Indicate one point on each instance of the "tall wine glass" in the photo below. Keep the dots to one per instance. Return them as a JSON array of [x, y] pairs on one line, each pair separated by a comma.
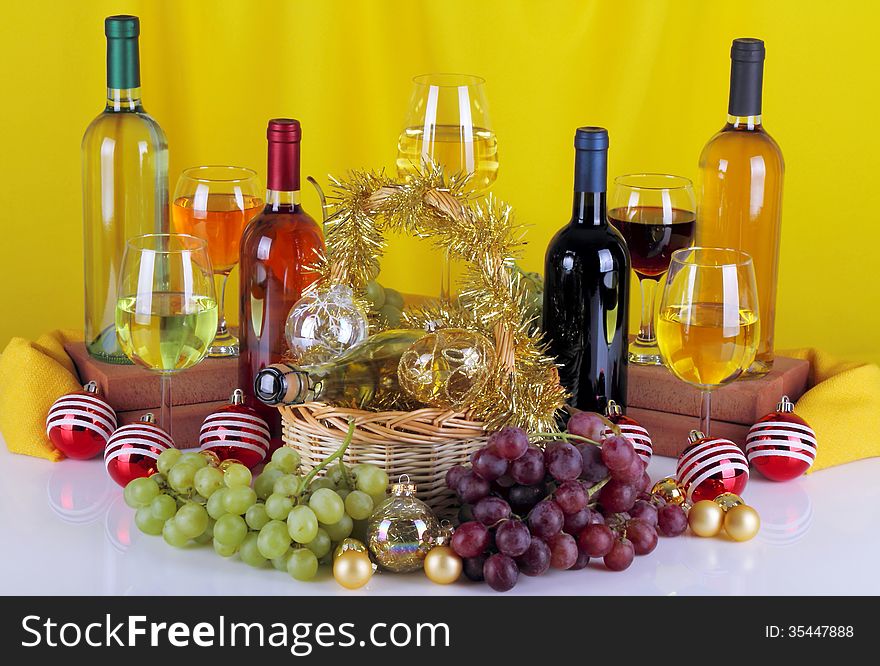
[[447, 123], [166, 315], [656, 215], [708, 327], [216, 203]]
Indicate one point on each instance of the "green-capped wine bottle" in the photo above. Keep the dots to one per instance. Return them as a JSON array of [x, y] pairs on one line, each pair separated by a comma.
[[125, 184]]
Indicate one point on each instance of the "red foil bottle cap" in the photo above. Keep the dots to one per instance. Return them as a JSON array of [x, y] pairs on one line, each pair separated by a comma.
[[284, 135]]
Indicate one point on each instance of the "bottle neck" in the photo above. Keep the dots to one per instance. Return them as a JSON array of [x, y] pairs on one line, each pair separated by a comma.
[[123, 63], [744, 122], [590, 178], [124, 99], [746, 84], [588, 209], [282, 199], [283, 169]]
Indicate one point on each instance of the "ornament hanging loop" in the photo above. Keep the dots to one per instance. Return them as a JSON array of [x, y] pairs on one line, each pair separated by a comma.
[[785, 406]]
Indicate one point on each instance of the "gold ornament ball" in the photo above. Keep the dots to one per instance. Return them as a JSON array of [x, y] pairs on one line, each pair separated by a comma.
[[442, 565], [669, 490], [349, 545], [352, 569], [728, 500], [227, 463], [742, 522], [706, 518], [212, 458]]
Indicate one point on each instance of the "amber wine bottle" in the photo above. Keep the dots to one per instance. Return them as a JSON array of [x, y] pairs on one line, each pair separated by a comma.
[[363, 376], [741, 172], [125, 185], [586, 287]]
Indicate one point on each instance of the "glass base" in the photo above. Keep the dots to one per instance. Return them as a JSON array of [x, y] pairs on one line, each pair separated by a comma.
[[225, 345], [644, 353], [758, 369]]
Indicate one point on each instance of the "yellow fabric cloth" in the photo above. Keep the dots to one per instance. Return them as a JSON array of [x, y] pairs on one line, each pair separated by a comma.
[[32, 376], [842, 406]]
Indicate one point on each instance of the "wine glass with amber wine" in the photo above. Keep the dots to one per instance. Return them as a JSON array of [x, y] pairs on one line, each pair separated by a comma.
[[166, 315], [708, 328], [656, 215], [447, 124], [216, 203]]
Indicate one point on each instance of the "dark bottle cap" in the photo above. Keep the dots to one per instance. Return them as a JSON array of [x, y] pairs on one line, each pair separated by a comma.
[[590, 159], [123, 60], [591, 138], [746, 77], [284, 135], [747, 49]]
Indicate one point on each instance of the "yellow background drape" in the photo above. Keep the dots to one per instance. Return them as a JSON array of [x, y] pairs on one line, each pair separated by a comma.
[[654, 72]]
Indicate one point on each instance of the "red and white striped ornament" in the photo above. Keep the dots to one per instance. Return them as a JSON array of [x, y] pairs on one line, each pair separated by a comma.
[[236, 431], [133, 450], [630, 428], [781, 446], [79, 424], [711, 466]]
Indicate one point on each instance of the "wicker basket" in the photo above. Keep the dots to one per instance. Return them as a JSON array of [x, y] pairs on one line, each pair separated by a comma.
[[423, 443]]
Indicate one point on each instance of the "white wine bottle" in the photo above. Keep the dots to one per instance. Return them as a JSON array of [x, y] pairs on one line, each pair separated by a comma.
[[365, 376], [125, 185], [741, 170]]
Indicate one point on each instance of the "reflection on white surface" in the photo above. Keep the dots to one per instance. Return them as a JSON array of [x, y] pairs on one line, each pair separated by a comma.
[[824, 522], [76, 494]]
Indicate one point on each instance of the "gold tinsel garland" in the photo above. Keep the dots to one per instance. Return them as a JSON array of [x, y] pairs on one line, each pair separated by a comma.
[[523, 388]]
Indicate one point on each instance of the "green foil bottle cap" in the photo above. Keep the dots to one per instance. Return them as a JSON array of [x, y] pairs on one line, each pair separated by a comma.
[[123, 61], [122, 26]]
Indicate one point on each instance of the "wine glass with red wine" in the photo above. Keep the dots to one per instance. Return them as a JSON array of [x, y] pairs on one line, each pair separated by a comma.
[[656, 215]]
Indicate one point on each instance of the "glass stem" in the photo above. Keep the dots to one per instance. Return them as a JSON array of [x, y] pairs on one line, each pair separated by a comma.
[[705, 405], [165, 405], [220, 288], [646, 329]]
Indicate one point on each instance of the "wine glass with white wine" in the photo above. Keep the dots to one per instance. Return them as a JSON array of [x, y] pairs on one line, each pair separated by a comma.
[[447, 124], [166, 315], [708, 328]]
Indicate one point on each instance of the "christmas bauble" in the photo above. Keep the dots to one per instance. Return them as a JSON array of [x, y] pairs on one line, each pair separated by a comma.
[[669, 490], [401, 530], [728, 500], [446, 368], [742, 522], [133, 450], [324, 323], [442, 564], [236, 431], [706, 518], [79, 424], [352, 569], [630, 428], [781, 446], [711, 466]]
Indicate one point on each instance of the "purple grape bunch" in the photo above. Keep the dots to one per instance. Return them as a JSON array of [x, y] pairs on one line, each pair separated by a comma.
[[527, 509]]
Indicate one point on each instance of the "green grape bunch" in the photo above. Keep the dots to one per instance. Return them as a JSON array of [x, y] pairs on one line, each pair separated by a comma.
[[284, 516]]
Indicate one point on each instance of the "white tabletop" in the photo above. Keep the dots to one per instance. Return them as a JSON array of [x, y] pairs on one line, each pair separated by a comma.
[[66, 530]]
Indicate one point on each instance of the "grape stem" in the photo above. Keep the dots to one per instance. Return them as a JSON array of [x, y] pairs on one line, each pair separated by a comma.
[[592, 490], [336, 455], [565, 435]]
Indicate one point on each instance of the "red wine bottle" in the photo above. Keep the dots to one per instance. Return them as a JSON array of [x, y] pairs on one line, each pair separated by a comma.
[[586, 287], [277, 249]]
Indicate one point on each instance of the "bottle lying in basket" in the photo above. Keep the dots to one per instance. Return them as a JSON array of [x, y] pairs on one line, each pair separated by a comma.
[[364, 376]]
